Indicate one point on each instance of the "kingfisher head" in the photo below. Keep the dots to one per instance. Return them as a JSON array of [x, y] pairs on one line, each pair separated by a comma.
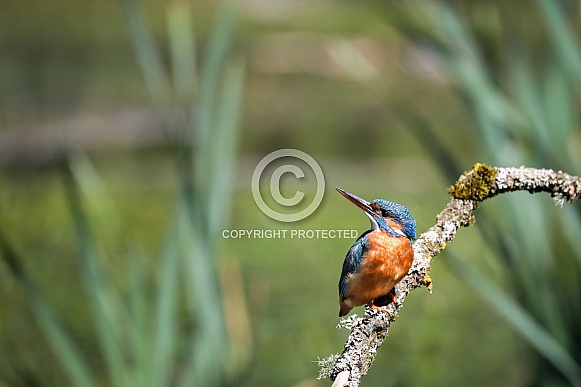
[[381, 211]]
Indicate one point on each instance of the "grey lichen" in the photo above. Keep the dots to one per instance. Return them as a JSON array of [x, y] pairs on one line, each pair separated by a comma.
[[326, 365], [348, 322]]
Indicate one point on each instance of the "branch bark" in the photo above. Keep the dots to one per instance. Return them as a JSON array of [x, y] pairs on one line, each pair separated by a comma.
[[480, 183]]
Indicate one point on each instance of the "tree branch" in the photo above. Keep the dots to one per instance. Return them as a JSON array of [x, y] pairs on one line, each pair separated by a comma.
[[480, 183]]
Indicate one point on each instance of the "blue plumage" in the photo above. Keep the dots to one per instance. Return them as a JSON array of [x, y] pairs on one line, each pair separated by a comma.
[[398, 214], [352, 261]]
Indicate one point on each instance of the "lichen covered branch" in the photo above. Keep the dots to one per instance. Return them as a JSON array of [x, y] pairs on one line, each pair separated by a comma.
[[480, 183]]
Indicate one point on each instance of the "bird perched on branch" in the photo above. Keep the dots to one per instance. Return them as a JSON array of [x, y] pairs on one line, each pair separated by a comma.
[[380, 257]]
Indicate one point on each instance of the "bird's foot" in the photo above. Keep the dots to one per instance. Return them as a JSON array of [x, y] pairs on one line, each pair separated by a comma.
[[387, 299], [380, 308], [391, 296]]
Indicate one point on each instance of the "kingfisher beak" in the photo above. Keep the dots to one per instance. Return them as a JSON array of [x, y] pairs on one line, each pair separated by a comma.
[[363, 204]]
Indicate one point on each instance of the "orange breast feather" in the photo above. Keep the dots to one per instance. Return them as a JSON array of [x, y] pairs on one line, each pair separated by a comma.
[[385, 263]]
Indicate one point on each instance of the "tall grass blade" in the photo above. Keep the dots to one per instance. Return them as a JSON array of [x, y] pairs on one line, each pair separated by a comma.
[[95, 191], [491, 111], [140, 326], [210, 208], [104, 302], [64, 348], [212, 69], [206, 356], [204, 364], [519, 319], [559, 102], [568, 49], [203, 197], [571, 226], [530, 99], [183, 50], [534, 258], [148, 57], [164, 337], [224, 144]]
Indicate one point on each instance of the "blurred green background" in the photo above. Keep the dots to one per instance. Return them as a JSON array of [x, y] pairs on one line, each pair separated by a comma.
[[129, 132]]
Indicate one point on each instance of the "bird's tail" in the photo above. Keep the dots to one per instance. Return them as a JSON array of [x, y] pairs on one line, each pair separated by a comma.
[[344, 309]]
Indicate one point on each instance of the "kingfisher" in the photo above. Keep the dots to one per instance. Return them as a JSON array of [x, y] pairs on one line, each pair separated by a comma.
[[380, 257]]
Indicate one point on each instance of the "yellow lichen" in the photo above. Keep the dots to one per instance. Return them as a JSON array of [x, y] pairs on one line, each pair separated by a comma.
[[427, 282], [475, 184]]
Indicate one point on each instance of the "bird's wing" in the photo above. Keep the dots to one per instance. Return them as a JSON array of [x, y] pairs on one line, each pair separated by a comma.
[[351, 263]]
